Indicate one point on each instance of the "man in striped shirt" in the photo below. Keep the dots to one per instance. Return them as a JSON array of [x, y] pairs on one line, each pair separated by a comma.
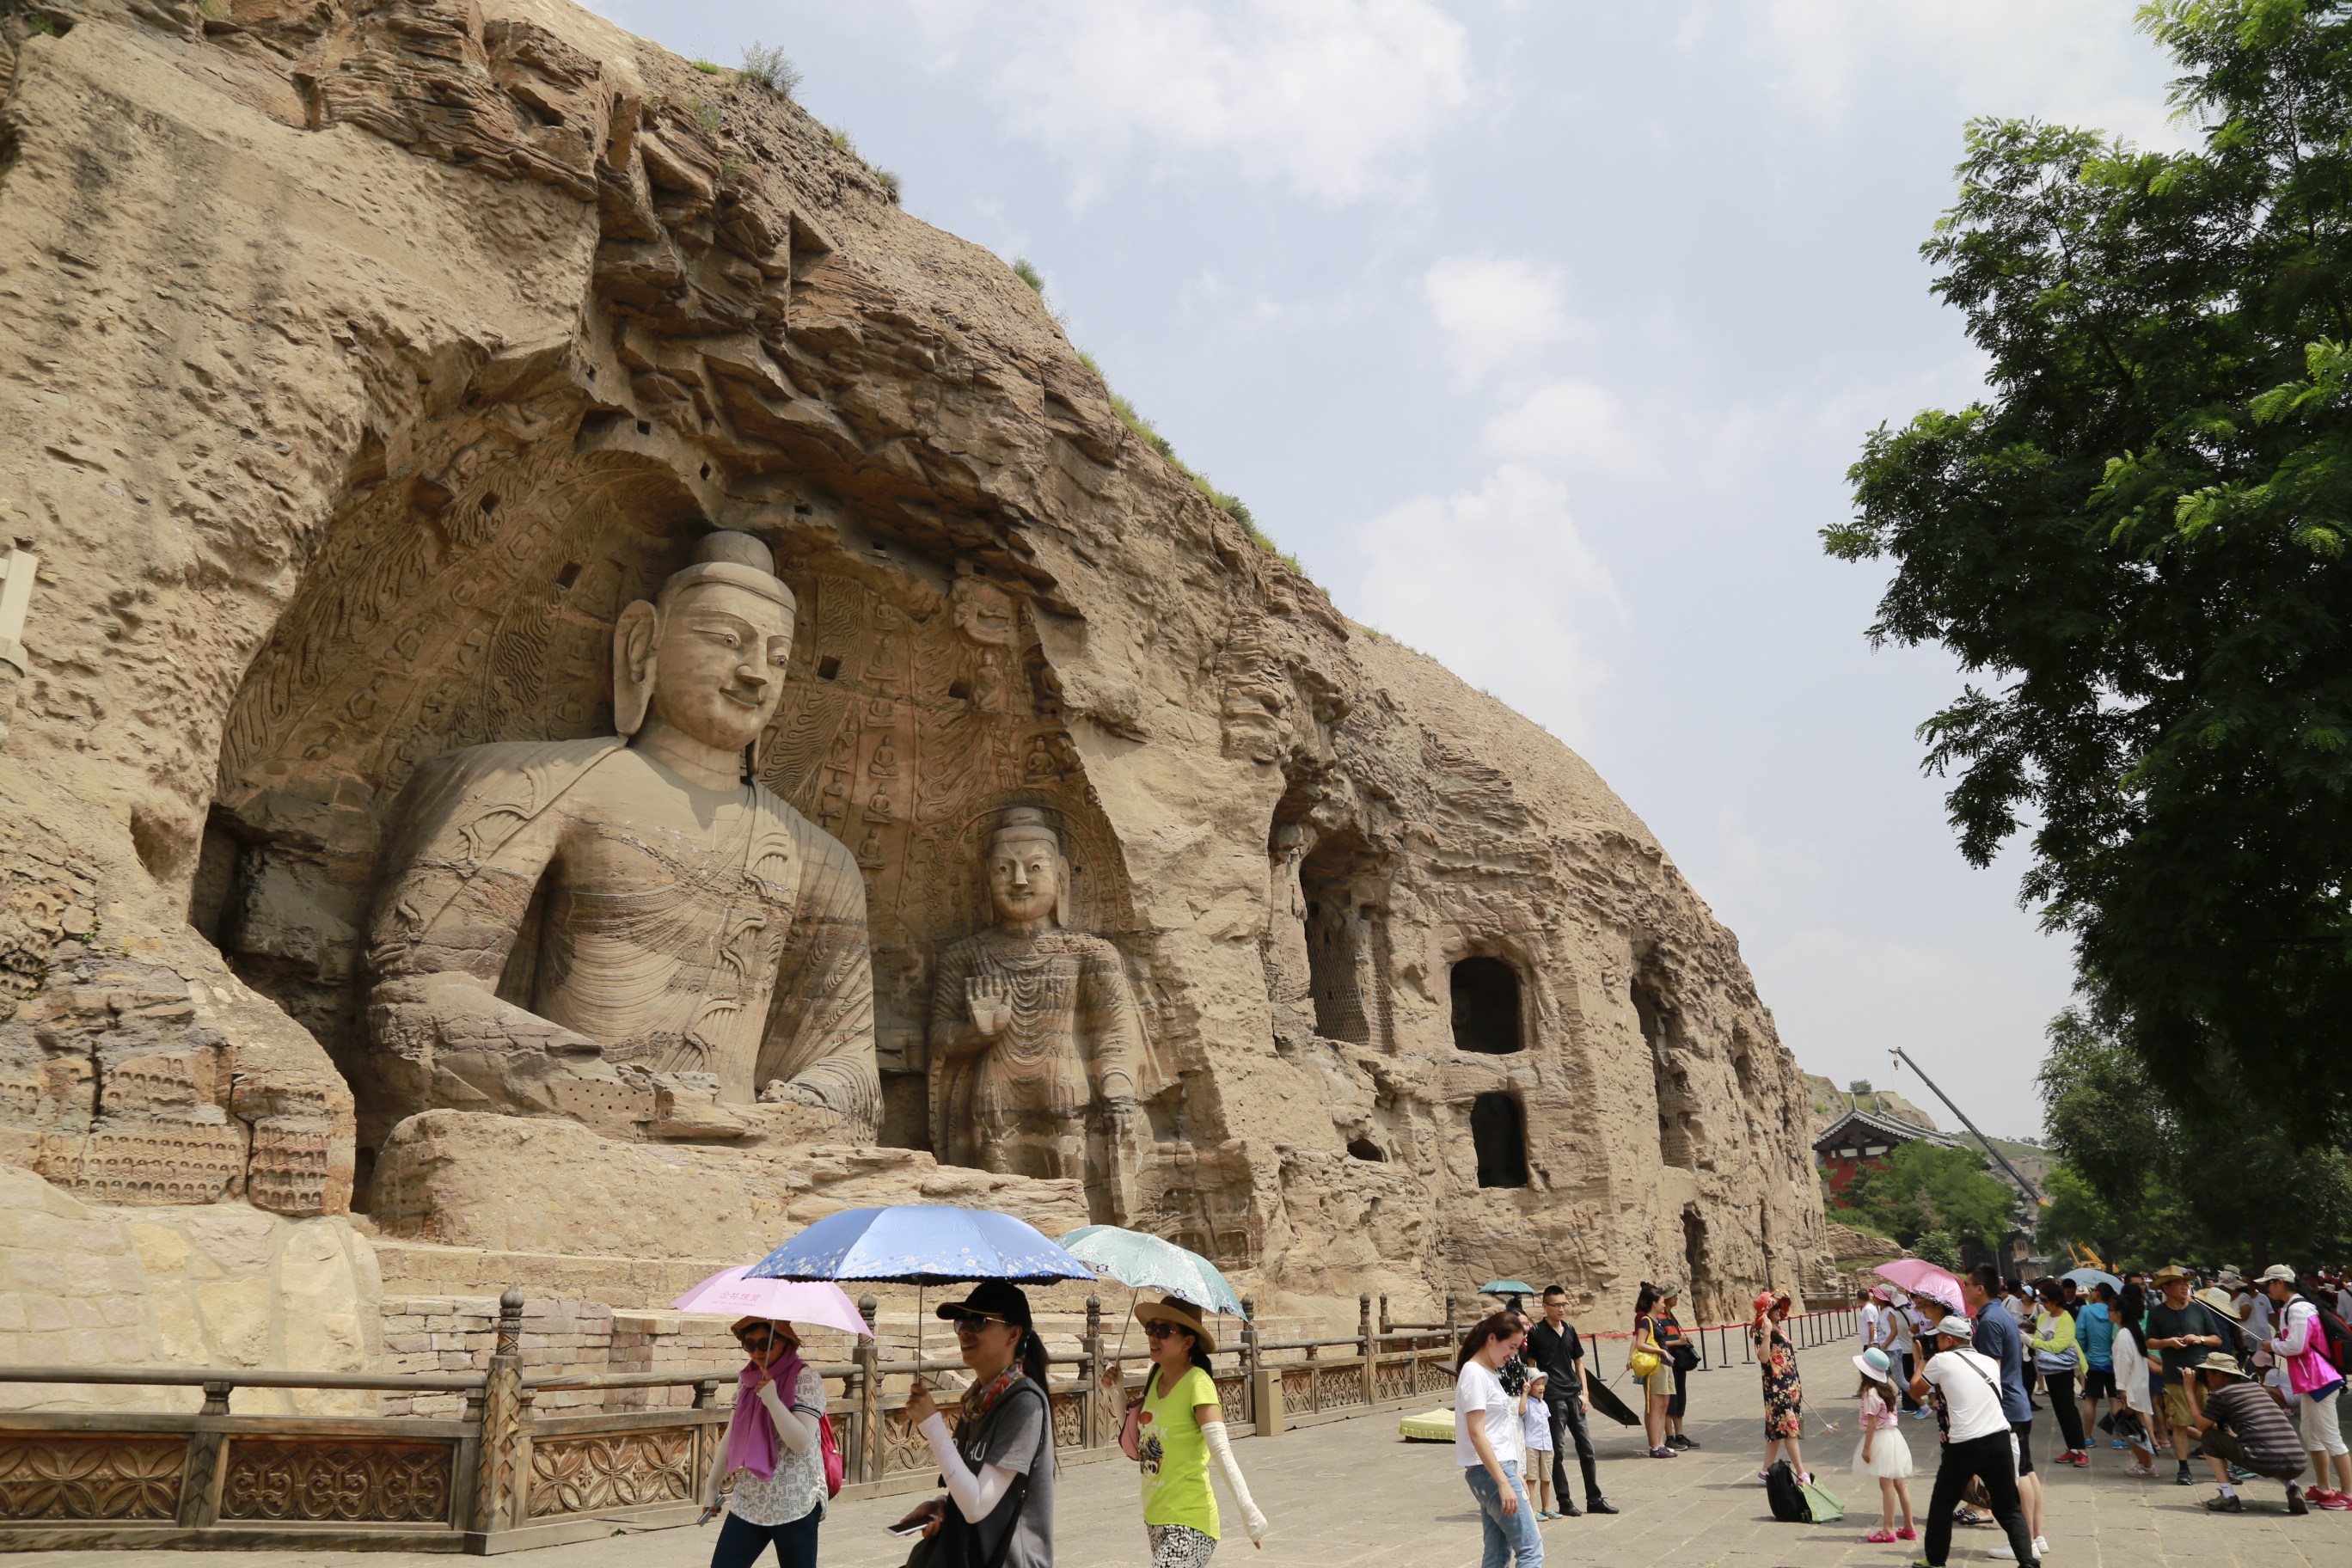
[[2243, 1426]]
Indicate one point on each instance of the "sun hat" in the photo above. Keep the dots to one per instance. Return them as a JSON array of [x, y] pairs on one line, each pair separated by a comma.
[[2278, 1271], [1669, 1289], [1884, 1293], [2171, 1271], [1956, 1327], [2221, 1361], [1873, 1363], [2216, 1298], [1182, 1313], [999, 1298]]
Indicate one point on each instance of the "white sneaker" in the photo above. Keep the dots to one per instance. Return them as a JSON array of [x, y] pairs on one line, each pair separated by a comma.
[[2040, 1546]]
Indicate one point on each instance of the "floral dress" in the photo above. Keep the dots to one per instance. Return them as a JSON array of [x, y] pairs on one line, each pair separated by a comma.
[[1784, 1397]]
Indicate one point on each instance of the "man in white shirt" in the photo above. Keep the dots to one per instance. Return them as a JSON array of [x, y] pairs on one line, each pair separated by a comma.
[[1976, 1440]]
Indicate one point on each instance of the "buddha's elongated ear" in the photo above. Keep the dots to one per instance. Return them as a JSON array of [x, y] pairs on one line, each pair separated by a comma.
[[1061, 887], [635, 640]]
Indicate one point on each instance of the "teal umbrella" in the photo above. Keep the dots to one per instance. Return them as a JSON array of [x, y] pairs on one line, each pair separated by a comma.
[[1505, 1288], [1150, 1263]]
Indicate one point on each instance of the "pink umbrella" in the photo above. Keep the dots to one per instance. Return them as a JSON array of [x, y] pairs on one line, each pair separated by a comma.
[[819, 1301], [1922, 1278]]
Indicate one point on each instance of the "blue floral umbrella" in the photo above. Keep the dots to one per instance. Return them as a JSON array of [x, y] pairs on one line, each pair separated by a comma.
[[919, 1245]]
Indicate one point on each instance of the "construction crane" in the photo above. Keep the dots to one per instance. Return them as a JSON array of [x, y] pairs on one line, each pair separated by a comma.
[[2023, 1185]]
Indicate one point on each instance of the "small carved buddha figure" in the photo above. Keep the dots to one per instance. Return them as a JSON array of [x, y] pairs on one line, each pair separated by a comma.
[[884, 762], [555, 911], [1034, 1034]]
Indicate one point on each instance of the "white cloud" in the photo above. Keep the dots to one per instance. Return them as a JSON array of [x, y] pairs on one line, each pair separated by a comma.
[[1567, 427], [1335, 97], [2070, 62], [1494, 310], [1496, 584]]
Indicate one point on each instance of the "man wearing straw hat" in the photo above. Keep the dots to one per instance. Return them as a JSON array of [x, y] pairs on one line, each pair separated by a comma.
[[2241, 1424]]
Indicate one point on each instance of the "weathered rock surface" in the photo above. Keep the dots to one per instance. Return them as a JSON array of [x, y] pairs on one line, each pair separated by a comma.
[[359, 361]]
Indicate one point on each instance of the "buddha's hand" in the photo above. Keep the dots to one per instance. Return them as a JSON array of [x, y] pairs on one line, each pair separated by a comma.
[[991, 1013]]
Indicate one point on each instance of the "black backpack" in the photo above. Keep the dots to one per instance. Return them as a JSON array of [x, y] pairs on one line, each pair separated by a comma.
[[2339, 1340], [1786, 1496]]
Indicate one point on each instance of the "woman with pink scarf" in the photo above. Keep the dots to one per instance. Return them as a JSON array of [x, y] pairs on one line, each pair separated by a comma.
[[771, 1461]]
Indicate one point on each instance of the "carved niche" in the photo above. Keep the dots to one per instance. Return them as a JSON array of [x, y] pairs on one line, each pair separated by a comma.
[[904, 732]]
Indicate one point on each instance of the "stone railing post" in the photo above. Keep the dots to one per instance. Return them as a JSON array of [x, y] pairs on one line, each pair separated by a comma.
[[1372, 1349], [1452, 1322], [200, 1479], [869, 1397], [494, 1493], [1090, 1374], [1384, 1314]]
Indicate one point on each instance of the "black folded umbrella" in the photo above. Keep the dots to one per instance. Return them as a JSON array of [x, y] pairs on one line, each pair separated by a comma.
[[1611, 1406]]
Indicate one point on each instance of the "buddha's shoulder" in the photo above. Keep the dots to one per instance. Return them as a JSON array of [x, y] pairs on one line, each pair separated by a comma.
[[522, 767]]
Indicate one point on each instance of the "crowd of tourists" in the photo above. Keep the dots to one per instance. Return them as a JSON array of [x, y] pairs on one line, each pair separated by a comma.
[[2246, 1375]]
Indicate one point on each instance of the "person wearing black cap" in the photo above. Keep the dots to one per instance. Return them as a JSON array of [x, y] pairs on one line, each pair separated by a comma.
[[999, 1463]]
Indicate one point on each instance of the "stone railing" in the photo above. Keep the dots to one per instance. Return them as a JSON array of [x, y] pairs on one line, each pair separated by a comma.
[[497, 1474]]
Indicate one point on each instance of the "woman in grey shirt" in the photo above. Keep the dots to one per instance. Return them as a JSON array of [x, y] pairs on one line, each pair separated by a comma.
[[999, 1462]]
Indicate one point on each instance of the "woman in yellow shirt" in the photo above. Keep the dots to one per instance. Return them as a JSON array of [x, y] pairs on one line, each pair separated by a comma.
[[1180, 1427]]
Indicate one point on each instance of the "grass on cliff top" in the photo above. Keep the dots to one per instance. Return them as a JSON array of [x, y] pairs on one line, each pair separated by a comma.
[[1232, 505]]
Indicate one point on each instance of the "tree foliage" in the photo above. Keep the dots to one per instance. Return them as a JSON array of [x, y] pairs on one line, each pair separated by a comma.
[[2142, 1183], [2135, 545], [1923, 1188]]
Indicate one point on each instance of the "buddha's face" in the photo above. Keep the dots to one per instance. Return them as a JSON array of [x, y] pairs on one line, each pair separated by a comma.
[[1024, 876], [719, 667]]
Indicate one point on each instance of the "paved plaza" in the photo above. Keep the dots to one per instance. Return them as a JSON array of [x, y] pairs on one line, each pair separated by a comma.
[[1353, 1493]]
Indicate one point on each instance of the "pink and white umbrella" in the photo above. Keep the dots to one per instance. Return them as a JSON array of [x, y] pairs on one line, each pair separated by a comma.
[[816, 1301], [1924, 1279]]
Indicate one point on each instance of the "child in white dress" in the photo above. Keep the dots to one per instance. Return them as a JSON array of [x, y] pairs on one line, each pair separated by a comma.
[[1884, 1456]]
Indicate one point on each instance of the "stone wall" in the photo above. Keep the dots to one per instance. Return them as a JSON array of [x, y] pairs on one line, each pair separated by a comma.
[[444, 330], [221, 1285]]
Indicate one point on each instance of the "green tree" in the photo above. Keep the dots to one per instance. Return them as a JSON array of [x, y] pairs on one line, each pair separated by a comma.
[[2135, 546], [1923, 1188], [2154, 1185]]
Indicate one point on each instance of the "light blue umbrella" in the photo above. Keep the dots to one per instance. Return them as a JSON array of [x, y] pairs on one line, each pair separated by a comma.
[[2084, 1278], [1150, 1263], [920, 1244]]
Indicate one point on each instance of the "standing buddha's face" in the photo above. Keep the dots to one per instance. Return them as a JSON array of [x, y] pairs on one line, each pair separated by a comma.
[[719, 667], [1024, 876]]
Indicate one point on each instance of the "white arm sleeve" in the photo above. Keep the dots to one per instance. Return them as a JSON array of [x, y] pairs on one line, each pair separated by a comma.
[[1220, 1449], [796, 1431], [2299, 1326], [976, 1497]]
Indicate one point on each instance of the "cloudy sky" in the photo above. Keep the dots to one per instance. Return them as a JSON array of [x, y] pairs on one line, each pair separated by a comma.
[[1543, 335]]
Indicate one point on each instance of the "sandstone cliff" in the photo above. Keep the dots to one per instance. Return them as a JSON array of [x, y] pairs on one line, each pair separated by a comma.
[[361, 359]]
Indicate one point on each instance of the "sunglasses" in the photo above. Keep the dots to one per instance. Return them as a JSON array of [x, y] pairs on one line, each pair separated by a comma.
[[972, 1322], [753, 1338], [1160, 1330]]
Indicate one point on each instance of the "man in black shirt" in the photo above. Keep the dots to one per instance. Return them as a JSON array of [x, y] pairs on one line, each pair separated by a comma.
[[1554, 1346]]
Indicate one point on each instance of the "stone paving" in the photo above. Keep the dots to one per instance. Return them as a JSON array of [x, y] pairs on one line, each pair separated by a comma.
[[1354, 1495]]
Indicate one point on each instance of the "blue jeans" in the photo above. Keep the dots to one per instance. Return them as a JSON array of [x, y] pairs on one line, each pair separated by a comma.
[[1511, 1541]]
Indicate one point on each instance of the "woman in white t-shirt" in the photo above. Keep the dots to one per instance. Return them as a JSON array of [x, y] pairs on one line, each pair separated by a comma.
[[1487, 1444]]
